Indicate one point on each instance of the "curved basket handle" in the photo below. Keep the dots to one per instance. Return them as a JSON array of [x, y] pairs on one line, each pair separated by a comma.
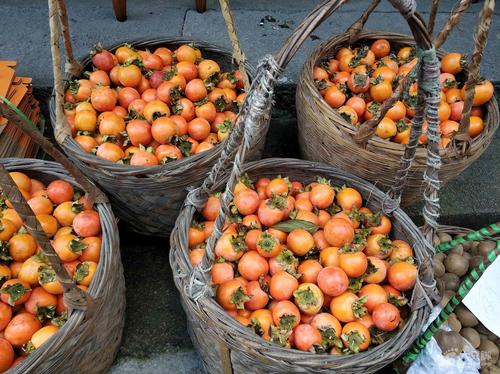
[[480, 40], [455, 17], [13, 114], [62, 128], [432, 16], [258, 101], [200, 274], [358, 25], [238, 54]]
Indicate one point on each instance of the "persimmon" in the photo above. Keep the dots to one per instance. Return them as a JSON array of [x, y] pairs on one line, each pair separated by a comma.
[[282, 285], [258, 298], [332, 280], [300, 242], [42, 335], [252, 265], [338, 232], [21, 328], [386, 317], [309, 270], [375, 295], [476, 126], [356, 337], [354, 264], [15, 292], [402, 276], [232, 294], [306, 337], [22, 247], [347, 307], [286, 314]]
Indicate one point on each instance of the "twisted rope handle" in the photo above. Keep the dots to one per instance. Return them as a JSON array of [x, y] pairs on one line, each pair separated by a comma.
[[238, 54], [74, 297], [480, 234], [455, 17], [473, 78], [412, 354], [72, 65], [14, 115], [358, 25], [261, 90], [62, 129], [432, 16]]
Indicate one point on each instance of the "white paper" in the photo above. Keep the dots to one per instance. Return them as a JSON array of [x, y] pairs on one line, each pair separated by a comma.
[[484, 299]]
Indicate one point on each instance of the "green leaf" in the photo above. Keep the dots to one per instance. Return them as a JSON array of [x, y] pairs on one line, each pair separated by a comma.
[[45, 312], [4, 251], [61, 320], [294, 224], [82, 270], [15, 292], [77, 246], [239, 298]]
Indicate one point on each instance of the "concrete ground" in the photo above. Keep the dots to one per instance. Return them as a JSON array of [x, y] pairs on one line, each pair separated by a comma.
[[155, 338]]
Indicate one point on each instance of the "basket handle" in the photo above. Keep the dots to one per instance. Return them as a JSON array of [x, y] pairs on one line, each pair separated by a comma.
[[238, 54], [200, 274], [257, 104], [473, 78], [432, 16], [455, 17], [358, 25], [57, 18]]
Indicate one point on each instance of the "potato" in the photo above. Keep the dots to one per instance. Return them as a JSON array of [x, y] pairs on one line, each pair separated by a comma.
[[439, 269], [485, 247], [492, 370], [451, 281], [450, 342], [465, 316], [454, 323], [458, 250], [488, 353], [474, 262], [439, 256], [456, 264], [467, 245], [467, 256], [444, 237], [471, 335], [435, 241]]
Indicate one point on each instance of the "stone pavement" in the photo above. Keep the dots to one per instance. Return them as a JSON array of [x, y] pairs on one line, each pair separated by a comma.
[[155, 338]]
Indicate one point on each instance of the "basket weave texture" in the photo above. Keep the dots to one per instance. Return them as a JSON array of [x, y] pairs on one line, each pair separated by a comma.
[[89, 341], [325, 136], [141, 195]]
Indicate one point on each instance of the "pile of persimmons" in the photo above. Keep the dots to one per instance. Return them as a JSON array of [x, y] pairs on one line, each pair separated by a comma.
[[145, 108], [357, 81], [307, 266], [31, 299]]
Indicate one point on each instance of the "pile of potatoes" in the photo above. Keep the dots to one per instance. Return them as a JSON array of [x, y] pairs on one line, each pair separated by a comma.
[[450, 269]]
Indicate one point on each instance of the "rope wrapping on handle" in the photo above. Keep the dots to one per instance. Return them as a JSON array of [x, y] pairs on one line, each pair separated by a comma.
[[74, 297], [473, 78], [358, 25], [455, 17], [464, 288], [238, 55], [72, 66]]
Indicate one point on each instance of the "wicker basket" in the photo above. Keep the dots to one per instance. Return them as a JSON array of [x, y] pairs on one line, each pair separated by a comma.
[[141, 195], [228, 344], [325, 136], [89, 340], [466, 236], [224, 344]]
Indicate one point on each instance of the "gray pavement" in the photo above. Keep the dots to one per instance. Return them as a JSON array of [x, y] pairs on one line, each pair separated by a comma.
[[155, 338]]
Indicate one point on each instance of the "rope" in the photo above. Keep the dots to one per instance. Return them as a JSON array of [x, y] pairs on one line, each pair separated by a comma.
[[432, 16], [238, 55], [61, 127], [473, 78], [75, 297], [72, 66], [358, 25], [465, 287], [478, 235], [455, 17], [407, 8]]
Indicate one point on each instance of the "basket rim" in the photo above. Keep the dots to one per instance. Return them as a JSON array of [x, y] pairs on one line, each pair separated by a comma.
[[171, 168], [376, 144], [110, 253], [179, 257]]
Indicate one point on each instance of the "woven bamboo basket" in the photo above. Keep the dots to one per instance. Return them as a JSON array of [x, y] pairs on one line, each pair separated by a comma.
[[465, 235], [223, 343], [325, 136], [89, 340], [141, 195]]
